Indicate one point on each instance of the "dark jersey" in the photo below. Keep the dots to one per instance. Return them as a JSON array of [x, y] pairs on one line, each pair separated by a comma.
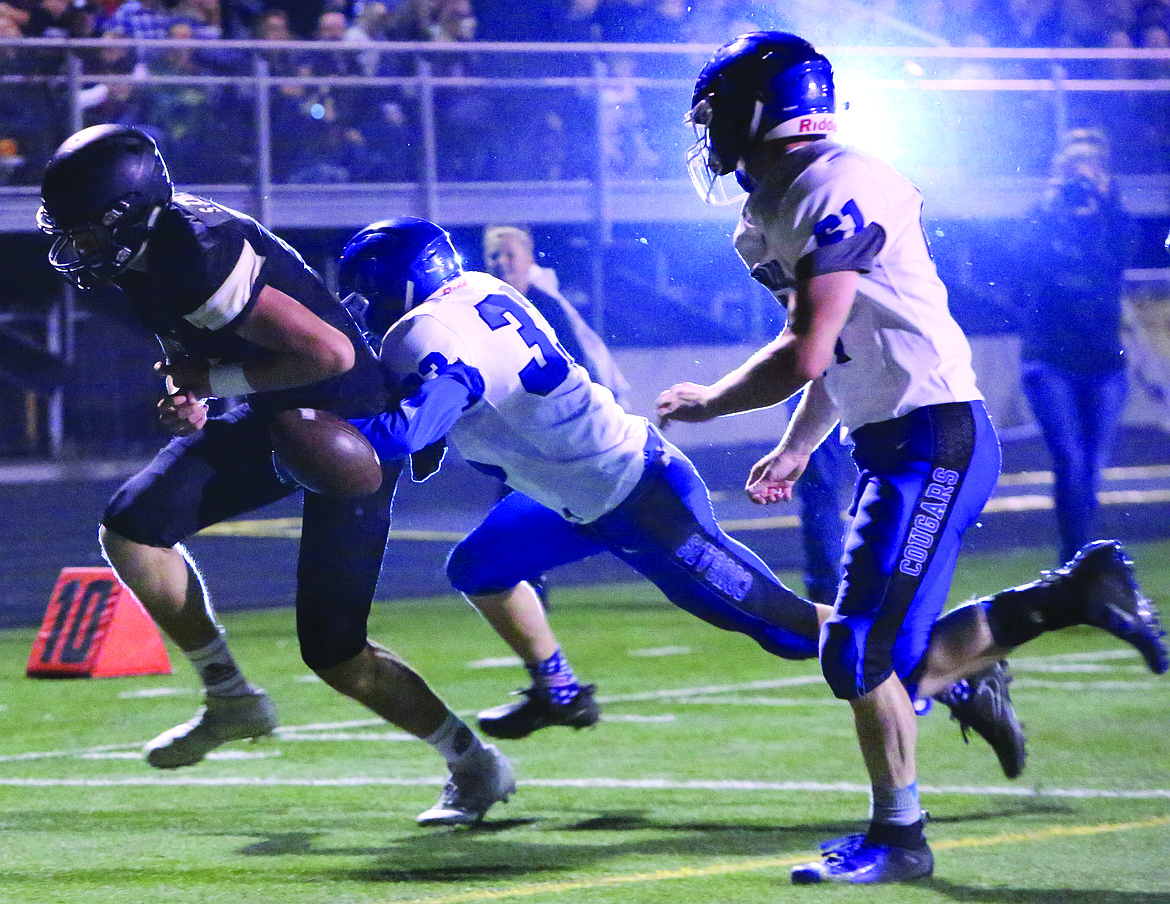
[[204, 269], [1073, 281]]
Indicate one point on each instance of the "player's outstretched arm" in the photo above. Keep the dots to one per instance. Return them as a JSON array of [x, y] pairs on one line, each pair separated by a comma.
[[424, 417], [683, 402], [767, 378], [801, 353]]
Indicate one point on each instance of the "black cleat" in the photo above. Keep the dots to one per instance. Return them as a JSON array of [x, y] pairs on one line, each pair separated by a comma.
[[512, 721], [1102, 577], [981, 703]]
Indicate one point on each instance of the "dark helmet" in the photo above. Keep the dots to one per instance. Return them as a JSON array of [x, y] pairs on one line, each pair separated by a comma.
[[396, 264], [102, 190], [762, 85]]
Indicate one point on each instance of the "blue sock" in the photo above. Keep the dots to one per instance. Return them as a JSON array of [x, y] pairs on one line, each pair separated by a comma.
[[554, 677]]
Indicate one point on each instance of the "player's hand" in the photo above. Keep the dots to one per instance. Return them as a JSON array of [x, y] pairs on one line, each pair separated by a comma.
[[683, 402], [773, 476], [428, 460], [182, 413], [190, 376]]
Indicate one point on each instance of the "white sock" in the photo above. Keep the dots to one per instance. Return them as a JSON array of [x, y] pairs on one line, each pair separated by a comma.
[[453, 740], [218, 670], [899, 806]]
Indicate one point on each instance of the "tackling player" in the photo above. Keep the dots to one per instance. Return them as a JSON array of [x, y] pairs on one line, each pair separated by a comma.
[[871, 340], [587, 476], [240, 314], [488, 371]]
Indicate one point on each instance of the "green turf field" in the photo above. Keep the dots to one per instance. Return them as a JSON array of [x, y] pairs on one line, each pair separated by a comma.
[[715, 769]]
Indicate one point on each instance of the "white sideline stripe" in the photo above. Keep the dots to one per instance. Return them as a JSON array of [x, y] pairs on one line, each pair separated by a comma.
[[332, 726], [1033, 683], [661, 651], [320, 731], [292, 735], [647, 784], [1076, 662], [674, 693], [685, 694], [496, 662], [150, 692], [755, 701], [1026, 662], [214, 755], [631, 717], [50, 754]]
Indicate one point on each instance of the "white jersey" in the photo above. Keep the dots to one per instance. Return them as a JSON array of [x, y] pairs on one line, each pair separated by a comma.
[[829, 208], [556, 436]]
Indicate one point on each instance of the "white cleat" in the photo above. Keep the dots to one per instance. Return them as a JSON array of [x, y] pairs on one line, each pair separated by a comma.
[[219, 720], [472, 789]]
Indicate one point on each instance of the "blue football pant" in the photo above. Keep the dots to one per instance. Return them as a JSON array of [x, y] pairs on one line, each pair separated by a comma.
[[666, 530], [923, 480]]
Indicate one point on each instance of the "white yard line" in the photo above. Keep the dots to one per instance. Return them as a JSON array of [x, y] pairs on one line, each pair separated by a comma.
[[722, 694], [641, 784]]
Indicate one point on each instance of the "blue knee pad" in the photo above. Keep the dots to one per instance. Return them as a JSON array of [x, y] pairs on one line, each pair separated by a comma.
[[518, 540], [841, 658], [473, 573], [853, 667], [479, 564]]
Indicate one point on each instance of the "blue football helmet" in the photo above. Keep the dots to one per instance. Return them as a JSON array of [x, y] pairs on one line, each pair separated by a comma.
[[764, 85], [103, 189], [392, 265]]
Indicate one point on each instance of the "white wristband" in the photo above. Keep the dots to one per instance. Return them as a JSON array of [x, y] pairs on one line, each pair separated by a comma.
[[228, 380]]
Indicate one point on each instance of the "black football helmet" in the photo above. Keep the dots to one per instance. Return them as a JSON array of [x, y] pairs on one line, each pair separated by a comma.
[[763, 85], [102, 191], [394, 265]]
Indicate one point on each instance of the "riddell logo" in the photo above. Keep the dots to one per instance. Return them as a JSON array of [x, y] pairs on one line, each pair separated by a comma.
[[823, 124]]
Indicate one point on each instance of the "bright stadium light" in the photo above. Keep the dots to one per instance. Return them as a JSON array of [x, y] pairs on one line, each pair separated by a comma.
[[883, 112]]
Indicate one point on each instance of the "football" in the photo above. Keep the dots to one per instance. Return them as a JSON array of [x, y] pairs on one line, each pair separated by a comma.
[[324, 453]]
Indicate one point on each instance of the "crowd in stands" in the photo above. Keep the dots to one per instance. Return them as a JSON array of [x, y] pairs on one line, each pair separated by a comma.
[[1016, 23], [346, 133]]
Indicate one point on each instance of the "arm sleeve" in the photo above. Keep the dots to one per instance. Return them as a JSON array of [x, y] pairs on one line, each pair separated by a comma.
[[424, 417]]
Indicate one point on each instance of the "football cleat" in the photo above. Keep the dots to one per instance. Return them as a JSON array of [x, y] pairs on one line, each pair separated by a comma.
[[219, 720], [512, 721], [485, 778], [981, 703], [1103, 577], [853, 859]]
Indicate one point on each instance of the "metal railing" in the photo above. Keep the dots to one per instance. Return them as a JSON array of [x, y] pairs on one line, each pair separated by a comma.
[[960, 118], [587, 134]]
